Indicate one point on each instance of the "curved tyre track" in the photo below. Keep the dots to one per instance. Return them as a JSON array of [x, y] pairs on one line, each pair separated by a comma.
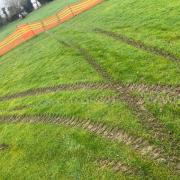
[[56, 88], [169, 96], [171, 93], [139, 45], [141, 146]]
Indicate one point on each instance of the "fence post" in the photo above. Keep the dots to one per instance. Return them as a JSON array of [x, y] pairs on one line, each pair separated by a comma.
[[43, 26], [58, 18], [71, 10], [22, 33], [33, 33]]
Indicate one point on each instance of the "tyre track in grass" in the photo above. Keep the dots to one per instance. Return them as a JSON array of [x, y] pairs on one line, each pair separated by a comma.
[[125, 96], [55, 88], [139, 45], [147, 119], [138, 144], [171, 95], [158, 130], [107, 99], [160, 99], [171, 91]]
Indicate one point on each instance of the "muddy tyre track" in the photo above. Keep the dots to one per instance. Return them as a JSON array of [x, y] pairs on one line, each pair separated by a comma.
[[56, 88], [139, 45], [169, 96], [138, 144], [171, 93]]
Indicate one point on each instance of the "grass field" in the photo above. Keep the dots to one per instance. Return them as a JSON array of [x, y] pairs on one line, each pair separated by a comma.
[[76, 103]]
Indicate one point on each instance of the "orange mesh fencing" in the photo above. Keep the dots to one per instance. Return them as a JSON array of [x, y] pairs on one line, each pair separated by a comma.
[[27, 31]]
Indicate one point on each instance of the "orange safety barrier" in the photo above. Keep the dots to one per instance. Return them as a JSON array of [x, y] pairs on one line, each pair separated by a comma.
[[27, 31]]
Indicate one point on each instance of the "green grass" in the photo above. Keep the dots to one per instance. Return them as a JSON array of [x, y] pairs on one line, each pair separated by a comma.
[[54, 64], [44, 151], [47, 151], [169, 114], [53, 152]]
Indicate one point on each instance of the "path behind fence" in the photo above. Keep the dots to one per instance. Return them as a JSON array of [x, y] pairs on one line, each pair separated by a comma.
[[27, 31]]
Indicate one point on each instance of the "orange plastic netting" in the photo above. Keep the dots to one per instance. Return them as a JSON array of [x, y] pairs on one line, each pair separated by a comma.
[[27, 31]]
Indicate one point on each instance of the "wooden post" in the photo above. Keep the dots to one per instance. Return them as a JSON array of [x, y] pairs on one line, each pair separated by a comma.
[[71, 10], [44, 27], [59, 19], [31, 30], [22, 33]]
